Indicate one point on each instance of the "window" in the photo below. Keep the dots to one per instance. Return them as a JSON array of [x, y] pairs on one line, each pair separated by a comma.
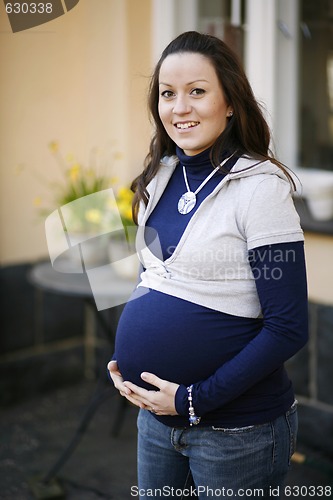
[[224, 19], [316, 84]]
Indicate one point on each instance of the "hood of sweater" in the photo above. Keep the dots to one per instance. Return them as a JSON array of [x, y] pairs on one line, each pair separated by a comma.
[[244, 166]]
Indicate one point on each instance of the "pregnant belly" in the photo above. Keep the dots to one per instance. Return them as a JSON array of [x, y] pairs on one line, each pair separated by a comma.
[[175, 339]]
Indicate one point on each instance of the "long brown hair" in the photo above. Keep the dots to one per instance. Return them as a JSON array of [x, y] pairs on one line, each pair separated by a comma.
[[246, 133]]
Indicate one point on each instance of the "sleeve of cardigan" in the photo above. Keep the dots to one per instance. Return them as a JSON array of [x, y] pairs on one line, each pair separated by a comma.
[[282, 289], [271, 216]]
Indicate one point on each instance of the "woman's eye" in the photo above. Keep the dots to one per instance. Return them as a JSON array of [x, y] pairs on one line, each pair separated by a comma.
[[167, 94], [197, 91]]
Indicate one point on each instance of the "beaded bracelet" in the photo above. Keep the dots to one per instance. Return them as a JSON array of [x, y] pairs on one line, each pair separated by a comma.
[[193, 419]]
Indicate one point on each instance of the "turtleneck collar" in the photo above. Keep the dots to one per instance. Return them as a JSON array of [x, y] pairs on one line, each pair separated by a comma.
[[200, 161]]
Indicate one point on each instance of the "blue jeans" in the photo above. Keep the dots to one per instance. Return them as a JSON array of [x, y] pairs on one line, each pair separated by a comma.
[[210, 462]]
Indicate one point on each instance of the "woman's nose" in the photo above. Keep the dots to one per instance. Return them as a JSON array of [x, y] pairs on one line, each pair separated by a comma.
[[181, 106]]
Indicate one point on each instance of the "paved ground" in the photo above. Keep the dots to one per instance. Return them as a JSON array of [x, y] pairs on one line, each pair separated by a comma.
[[35, 432]]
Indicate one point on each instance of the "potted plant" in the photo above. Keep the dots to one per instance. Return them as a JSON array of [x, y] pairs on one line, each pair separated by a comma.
[[93, 206]]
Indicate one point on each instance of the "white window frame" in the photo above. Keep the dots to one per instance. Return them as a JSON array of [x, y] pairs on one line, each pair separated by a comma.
[[271, 63], [169, 19]]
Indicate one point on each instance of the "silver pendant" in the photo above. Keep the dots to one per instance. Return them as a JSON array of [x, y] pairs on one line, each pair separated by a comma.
[[187, 202]]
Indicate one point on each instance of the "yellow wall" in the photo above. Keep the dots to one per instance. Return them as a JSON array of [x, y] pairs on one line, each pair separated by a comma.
[[319, 254], [80, 79]]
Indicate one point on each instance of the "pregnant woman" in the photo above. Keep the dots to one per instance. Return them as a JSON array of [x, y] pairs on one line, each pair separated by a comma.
[[222, 298]]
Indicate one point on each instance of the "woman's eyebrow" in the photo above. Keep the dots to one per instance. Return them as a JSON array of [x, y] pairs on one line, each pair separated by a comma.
[[189, 83]]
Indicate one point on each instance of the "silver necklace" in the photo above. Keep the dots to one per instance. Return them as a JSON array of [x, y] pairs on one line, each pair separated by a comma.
[[188, 200]]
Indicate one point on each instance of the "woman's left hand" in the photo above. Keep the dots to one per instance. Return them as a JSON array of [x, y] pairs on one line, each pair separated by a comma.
[[160, 402]]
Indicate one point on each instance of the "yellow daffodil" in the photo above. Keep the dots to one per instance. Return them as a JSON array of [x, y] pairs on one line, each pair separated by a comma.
[[128, 213], [74, 172], [111, 203], [125, 195], [37, 201], [93, 215], [125, 209], [90, 173], [79, 181], [53, 146], [70, 158]]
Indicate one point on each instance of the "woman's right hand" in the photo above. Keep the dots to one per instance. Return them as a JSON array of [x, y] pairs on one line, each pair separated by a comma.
[[117, 379]]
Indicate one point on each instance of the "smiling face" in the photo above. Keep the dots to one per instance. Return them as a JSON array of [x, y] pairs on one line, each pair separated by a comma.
[[191, 106]]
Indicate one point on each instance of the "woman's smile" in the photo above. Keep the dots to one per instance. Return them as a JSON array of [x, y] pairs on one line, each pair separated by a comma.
[[186, 125]]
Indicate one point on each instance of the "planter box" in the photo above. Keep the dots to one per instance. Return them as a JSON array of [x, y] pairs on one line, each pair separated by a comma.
[[316, 186]]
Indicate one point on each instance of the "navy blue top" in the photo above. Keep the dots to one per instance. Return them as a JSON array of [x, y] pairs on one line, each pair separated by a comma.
[[235, 363]]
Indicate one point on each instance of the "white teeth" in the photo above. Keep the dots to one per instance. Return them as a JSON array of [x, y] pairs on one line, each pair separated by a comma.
[[186, 125]]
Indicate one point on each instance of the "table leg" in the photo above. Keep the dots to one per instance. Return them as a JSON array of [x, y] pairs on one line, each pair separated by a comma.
[[89, 343]]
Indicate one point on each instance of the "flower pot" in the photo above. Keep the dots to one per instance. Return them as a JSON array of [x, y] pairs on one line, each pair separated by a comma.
[[316, 186], [123, 258], [90, 249]]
